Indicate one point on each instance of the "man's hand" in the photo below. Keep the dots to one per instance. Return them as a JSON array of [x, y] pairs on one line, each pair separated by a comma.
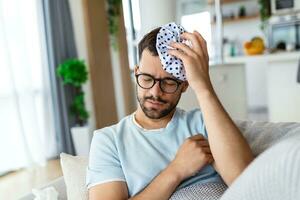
[[194, 58], [191, 157]]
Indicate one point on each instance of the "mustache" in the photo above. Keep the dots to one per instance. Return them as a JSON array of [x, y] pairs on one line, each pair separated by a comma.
[[156, 99]]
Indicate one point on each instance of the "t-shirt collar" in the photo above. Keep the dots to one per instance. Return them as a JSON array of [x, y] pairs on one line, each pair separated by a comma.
[[152, 130]]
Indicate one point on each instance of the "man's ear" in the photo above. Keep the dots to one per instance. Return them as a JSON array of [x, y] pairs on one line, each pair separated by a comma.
[[185, 86], [136, 67]]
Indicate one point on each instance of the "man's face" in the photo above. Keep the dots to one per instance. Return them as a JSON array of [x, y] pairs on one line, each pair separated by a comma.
[[154, 102]]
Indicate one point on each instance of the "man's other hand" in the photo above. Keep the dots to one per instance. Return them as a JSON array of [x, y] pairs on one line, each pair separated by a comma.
[[191, 157]]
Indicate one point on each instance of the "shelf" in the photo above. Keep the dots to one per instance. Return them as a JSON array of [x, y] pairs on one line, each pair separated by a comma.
[[226, 1], [240, 19]]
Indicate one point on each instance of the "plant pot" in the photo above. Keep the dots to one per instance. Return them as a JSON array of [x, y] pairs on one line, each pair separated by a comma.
[[81, 140]]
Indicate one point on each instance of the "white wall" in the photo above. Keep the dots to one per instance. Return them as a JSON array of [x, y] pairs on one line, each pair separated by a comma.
[[156, 13]]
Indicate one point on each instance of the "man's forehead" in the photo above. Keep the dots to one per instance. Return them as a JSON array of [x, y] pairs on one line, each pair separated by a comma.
[[151, 64]]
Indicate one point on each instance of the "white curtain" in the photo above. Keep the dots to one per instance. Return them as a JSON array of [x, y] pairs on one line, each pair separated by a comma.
[[27, 135]]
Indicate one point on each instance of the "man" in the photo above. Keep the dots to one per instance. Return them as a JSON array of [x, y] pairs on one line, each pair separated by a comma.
[[160, 148]]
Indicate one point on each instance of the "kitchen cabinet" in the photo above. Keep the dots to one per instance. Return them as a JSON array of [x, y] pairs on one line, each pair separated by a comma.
[[226, 1], [230, 86], [283, 91], [281, 87], [229, 83]]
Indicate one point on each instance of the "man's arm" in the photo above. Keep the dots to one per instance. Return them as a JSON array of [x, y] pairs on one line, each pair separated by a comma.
[[231, 152], [162, 186], [116, 190], [229, 148]]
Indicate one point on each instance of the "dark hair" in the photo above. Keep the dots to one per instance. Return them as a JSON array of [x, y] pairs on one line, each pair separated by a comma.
[[149, 42]]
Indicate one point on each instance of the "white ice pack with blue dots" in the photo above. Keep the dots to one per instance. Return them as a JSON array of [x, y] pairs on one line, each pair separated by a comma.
[[170, 33]]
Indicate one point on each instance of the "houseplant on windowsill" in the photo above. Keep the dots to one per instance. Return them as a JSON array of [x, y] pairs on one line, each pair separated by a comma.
[[73, 72]]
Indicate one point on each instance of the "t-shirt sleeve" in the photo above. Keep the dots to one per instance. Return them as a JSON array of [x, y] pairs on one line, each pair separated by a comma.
[[104, 164], [195, 117]]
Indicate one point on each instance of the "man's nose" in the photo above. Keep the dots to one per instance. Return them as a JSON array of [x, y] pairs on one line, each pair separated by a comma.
[[155, 90]]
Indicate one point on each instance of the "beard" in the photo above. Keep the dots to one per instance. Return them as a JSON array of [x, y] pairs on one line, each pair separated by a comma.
[[154, 113]]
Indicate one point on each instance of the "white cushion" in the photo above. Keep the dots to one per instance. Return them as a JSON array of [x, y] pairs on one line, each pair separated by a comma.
[[273, 175], [74, 171]]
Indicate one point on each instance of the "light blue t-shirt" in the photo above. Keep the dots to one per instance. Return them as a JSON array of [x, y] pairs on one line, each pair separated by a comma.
[[127, 152]]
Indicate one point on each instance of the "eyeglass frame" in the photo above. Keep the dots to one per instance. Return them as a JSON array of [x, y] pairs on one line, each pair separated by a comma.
[[160, 82]]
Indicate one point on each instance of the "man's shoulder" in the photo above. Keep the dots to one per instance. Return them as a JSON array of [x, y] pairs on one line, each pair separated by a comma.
[[189, 115], [110, 131], [192, 118]]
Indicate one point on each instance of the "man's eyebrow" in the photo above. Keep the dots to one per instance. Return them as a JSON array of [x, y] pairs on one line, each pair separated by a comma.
[[169, 77], [166, 77]]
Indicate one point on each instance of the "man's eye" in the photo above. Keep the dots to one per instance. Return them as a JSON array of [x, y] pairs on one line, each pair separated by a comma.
[[169, 82], [147, 79]]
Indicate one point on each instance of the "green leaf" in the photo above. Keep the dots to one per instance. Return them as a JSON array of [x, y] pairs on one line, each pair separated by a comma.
[[73, 72], [78, 108]]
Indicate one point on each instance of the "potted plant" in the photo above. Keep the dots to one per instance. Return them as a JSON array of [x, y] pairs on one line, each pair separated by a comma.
[[265, 13], [73, 72]]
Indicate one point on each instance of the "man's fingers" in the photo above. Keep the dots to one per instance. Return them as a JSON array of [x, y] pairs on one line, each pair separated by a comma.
[[182, 56], [197, 46], [200, 38], [206, 150], [198, 137], [183, 47], [193, 38], [210, 158], [203, 143], [202, 42]]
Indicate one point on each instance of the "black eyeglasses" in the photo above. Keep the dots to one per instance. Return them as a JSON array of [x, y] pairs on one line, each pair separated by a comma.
[[167, 85]]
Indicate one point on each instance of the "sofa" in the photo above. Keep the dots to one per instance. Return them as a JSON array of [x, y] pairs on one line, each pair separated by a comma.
[[273, 175]]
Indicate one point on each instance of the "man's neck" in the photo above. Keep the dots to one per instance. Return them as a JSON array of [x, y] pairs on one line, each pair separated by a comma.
[[148, 123]]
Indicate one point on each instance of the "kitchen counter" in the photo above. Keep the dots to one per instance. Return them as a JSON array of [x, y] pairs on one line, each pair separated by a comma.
[[271, 83], [282, 56]]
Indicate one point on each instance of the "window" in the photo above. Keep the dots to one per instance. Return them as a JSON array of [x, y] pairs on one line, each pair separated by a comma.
[[27, 134], [201, 23]]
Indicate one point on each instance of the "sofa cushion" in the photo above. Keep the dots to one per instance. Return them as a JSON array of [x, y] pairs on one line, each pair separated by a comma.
[[74, 170], [273, 175], [262, 135]]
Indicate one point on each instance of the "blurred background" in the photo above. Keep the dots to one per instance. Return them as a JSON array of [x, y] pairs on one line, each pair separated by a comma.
[[66, 69]]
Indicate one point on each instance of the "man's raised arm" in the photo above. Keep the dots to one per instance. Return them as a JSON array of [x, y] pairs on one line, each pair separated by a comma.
[[230, 150]]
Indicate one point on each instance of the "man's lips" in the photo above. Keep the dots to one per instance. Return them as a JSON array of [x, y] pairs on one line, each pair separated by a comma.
[[155, 103]]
